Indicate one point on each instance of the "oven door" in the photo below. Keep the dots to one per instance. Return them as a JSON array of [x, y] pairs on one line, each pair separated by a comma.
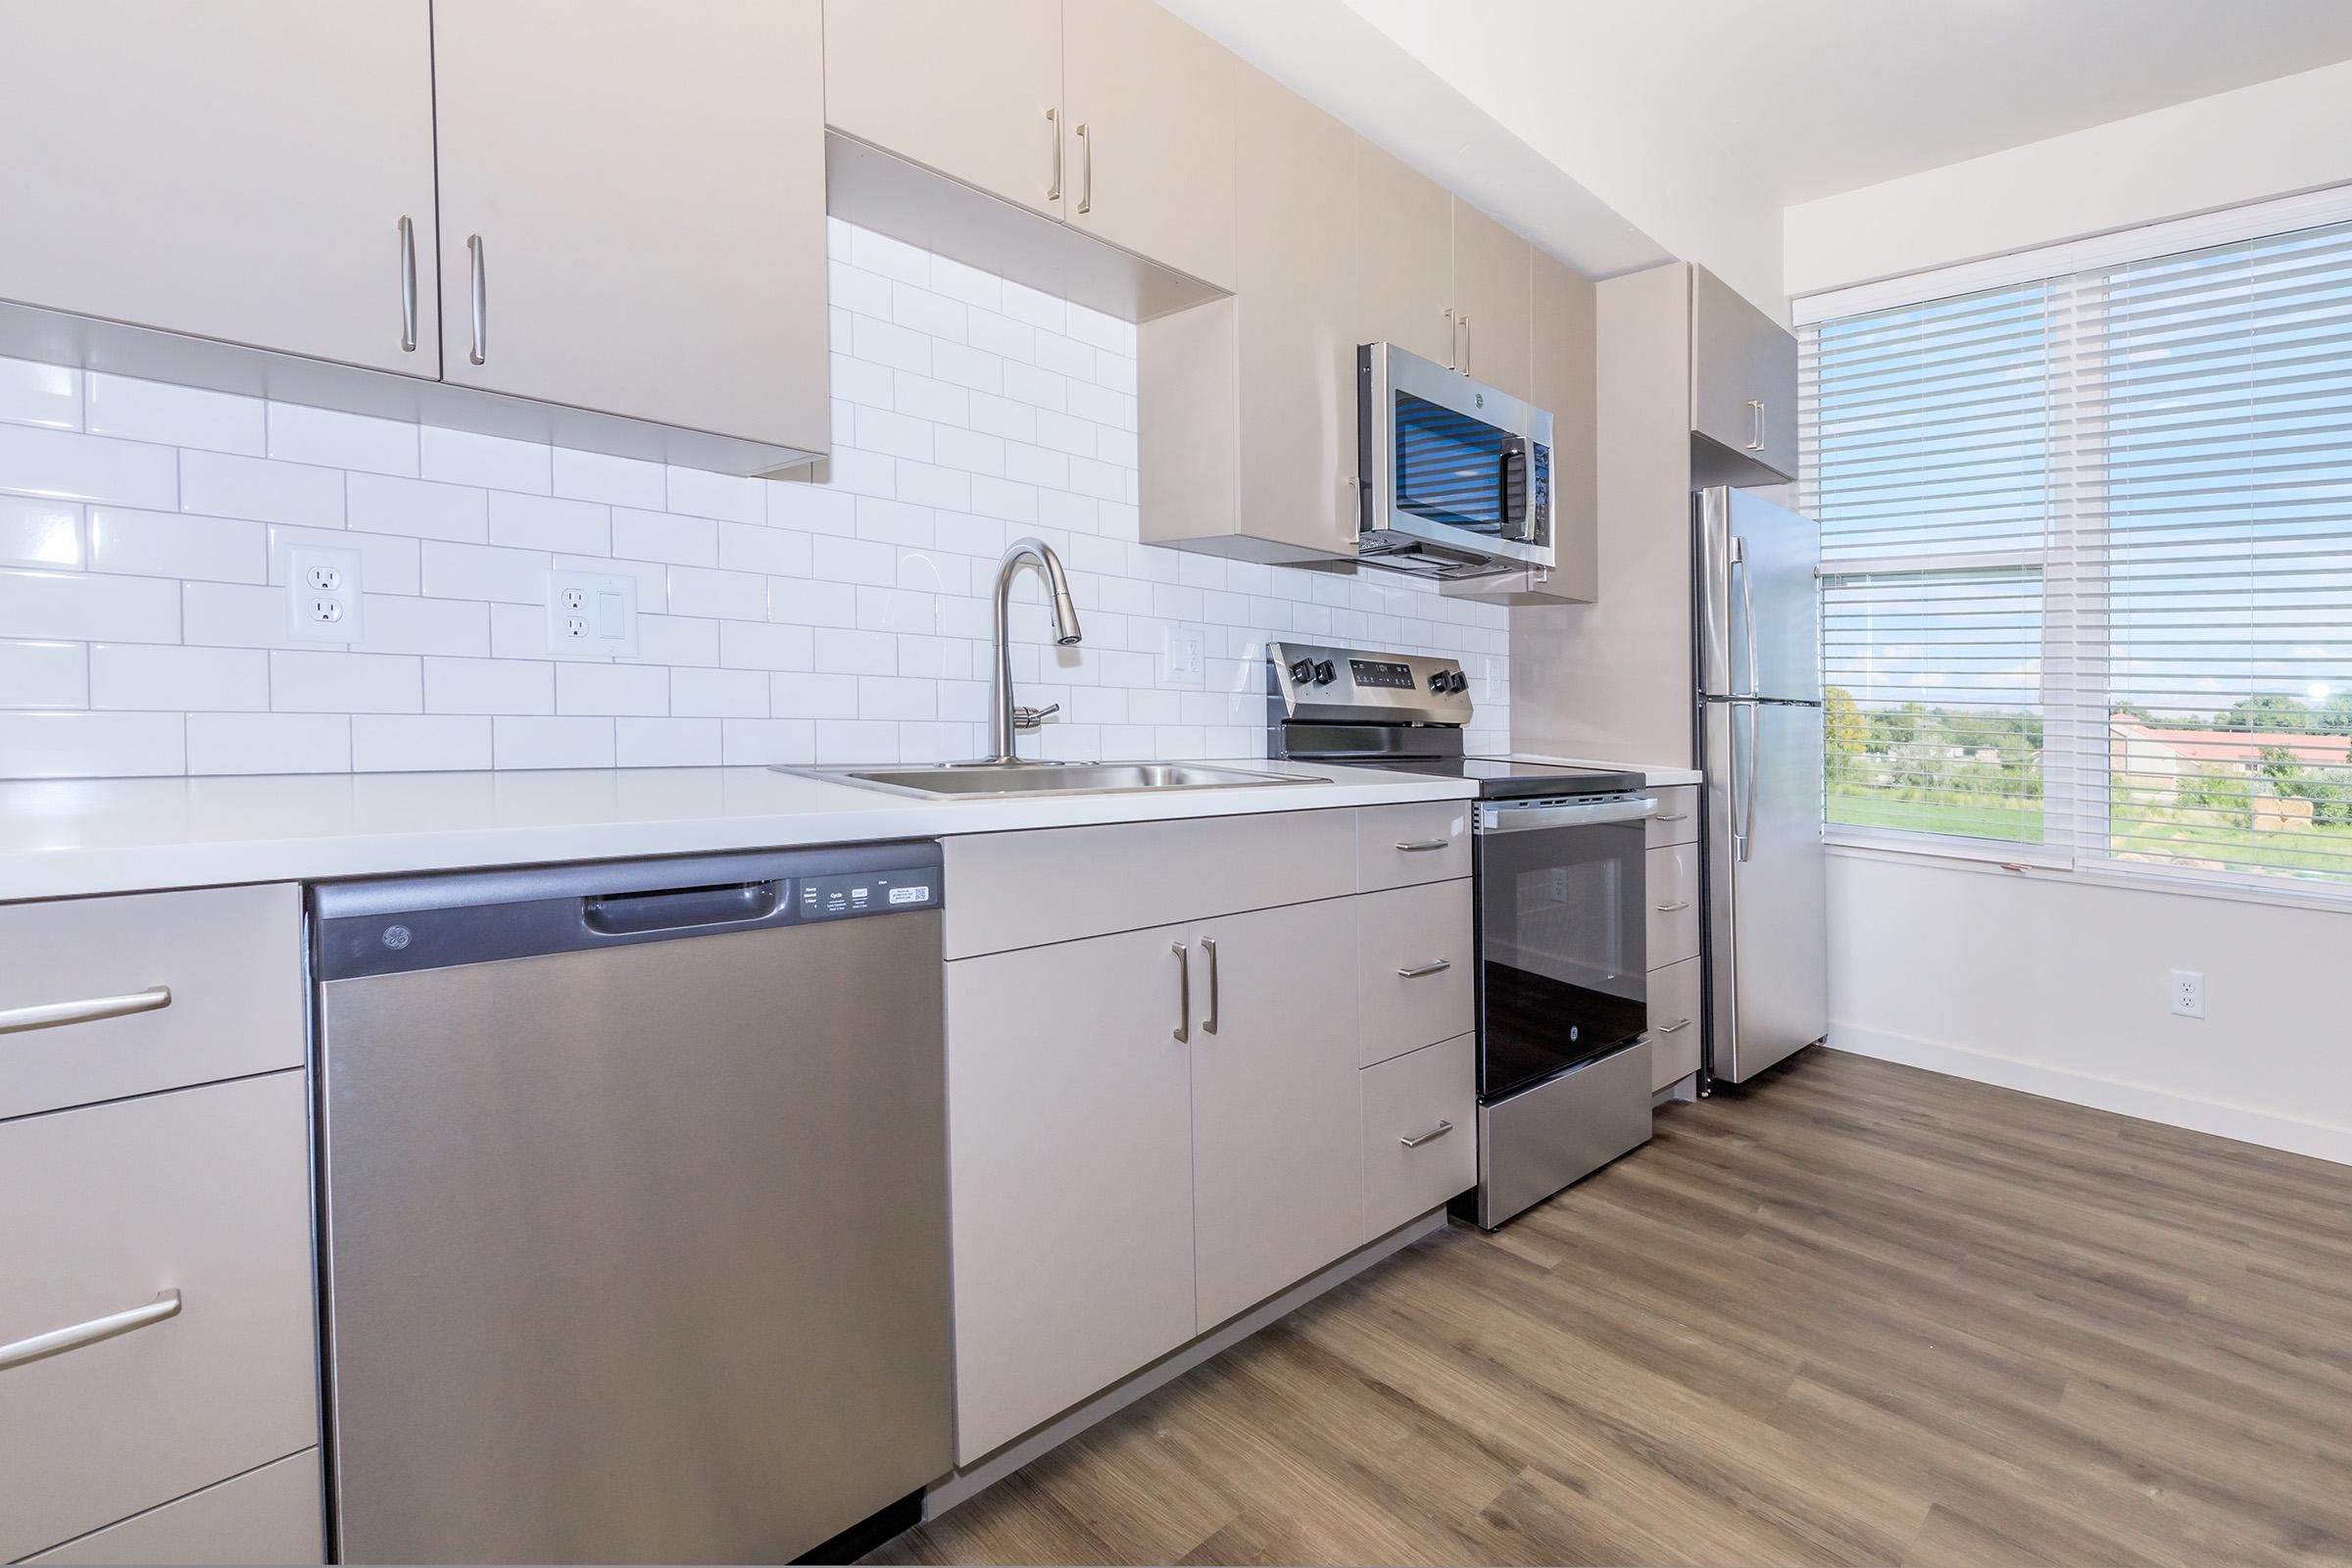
[[1451, 463], [1562, 964]]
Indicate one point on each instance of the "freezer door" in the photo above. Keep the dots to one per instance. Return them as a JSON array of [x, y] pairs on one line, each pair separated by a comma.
[[1758, 600], [1768, 974]]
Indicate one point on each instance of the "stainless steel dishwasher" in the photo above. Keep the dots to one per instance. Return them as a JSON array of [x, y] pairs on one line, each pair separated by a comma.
[[633, 1206]]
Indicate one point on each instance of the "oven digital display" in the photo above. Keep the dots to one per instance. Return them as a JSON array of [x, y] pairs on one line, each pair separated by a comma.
[[1369, 674]]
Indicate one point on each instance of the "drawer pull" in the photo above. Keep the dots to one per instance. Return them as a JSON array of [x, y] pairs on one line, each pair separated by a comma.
[[58, 1340], [49, 1014], [1670, 908], [1439, 1131], [1434, 967], [1421, 845], [1676, 1028], [1672, 816]]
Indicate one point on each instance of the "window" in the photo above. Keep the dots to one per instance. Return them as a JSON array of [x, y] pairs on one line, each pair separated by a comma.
[[2087, 556]]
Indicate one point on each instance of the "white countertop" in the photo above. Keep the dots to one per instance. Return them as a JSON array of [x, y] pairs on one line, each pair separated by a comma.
[[1653, 774], [67, 837]]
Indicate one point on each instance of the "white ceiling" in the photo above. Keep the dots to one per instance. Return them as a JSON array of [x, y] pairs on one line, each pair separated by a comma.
[[1617, 133]]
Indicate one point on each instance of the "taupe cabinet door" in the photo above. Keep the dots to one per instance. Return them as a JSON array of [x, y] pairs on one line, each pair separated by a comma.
[[1742, 376], [1276, 1174], [1071, 1138], [970, 90], [1561, 373], [1405, 256], [236, 169], [640, 192], [1491, 300], [1149, 104], [1299, 315]]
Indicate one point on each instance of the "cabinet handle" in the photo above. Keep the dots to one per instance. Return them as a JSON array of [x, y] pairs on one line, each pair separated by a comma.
[[1672, 816], [481, 301], [1086, 170], [58, 1340], [1465, 343], [49, 1014], [1677, 904], [1422, 846], [1434, 967], [1756, 424], [1676, 1028], [1439, 1131], [1453, 342], [1184, 993], [1208, 1026], [1054, 125], [408, 285]]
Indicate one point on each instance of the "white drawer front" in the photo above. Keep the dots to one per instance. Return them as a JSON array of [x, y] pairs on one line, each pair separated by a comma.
[[205, 1191], [1429, 1096], [1023, 890], [1674, 1022], [1670, 887], [269, 1515], [80, 1019], [1676, 819], [1421, 841], [1416, 969]]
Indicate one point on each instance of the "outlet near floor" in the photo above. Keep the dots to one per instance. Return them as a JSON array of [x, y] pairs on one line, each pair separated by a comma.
[[2188, 994]]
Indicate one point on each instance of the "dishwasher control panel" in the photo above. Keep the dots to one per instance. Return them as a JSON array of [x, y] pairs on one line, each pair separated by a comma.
[[825, 897]]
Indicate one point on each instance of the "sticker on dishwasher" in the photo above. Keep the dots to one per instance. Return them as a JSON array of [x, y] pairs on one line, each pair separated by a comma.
[[915, 895]]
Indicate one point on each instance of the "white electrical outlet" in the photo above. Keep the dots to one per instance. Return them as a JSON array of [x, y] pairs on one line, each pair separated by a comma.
[[2188, 994], [322, 594], [591, 614], [1185, 660]]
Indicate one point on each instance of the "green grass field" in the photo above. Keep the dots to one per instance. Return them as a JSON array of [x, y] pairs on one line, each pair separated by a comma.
[[2141, 832]]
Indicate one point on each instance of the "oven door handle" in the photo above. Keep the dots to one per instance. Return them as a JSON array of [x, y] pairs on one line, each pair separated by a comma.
[[1522, 818]]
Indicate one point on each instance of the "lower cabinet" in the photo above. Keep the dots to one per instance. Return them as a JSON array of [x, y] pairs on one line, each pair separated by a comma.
[[1420, 1131], [269, 1515]]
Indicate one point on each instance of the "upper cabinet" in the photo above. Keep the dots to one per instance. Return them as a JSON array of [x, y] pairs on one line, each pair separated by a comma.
[[1149, 106], [259, 173], [1491, 300], [971, 91], [1743, 386], [599, 244], [1404, 256]]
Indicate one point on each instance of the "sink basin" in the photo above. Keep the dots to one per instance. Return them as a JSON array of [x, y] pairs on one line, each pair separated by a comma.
[[998, 781]]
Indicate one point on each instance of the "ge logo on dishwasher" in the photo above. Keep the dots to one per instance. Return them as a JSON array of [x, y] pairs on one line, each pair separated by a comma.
[[396, 936]]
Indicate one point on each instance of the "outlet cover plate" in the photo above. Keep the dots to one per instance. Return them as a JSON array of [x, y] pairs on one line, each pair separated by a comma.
[[324, 602], [2188, 994], [1184, 661], [591, 614]]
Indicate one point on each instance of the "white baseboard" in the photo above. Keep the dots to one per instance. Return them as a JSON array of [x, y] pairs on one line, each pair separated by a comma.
[[2248, 1126]]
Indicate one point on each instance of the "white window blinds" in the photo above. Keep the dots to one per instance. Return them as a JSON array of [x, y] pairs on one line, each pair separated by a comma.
[[2087, 561]]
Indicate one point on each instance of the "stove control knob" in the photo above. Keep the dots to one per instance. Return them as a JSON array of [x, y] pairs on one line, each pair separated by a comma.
[[1325, 674], [1457, 682], [1302, 672], [1440, 683]]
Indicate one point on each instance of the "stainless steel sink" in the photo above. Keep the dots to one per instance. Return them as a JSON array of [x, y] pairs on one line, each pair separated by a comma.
[[998, 781]]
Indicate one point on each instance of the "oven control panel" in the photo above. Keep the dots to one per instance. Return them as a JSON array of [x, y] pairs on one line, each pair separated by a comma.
[[1343, 685]]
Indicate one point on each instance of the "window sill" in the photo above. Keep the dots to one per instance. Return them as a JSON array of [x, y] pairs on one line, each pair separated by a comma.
[[2040, 864]]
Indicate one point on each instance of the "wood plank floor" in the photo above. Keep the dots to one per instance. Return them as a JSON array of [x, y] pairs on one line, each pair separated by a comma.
[[1858, 1313]]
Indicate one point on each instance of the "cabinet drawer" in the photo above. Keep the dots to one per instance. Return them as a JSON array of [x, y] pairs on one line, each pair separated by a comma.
[[231, 959], [205, 1191], [1670, 887], [1412, 1097], [1425, 841], [1023, 890], [1405, 1001], [1677, 819], [1674, 1022], [269, 1515]]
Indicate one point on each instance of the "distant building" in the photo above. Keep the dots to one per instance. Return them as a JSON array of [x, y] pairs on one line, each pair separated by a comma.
[[2152, 761]]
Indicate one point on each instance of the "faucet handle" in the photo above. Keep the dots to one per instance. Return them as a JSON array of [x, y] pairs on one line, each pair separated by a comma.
[[1032, 718]]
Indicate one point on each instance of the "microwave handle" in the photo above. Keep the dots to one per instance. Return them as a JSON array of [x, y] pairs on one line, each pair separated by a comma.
[[1522, 525]]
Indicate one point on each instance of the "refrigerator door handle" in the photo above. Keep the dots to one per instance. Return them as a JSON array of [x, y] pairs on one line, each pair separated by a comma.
[[1748, 616], [1744, 801]]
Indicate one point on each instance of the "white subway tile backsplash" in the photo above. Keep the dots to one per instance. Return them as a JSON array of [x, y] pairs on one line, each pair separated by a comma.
[[35, 674], [68, 466], [31, 393], [840, 613], [153, 678], [39, 532]]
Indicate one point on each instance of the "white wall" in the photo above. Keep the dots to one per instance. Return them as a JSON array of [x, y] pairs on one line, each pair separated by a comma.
[[143, 530], [2046, 982], [2276, 138]]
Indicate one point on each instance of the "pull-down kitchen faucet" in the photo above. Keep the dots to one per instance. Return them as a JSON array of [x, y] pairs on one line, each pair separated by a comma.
[[1002, 717]]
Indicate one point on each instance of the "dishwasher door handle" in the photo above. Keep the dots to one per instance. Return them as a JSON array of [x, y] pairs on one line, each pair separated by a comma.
[[622, 914]]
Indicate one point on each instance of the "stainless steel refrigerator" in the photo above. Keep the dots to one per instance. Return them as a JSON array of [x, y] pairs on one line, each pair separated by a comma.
[[1758, 621]]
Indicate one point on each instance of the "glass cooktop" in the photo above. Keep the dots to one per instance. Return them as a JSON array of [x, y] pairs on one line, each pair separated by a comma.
[[1499, 778]]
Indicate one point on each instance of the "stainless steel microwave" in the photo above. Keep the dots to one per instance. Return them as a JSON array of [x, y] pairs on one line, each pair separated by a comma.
[[1454, 479]]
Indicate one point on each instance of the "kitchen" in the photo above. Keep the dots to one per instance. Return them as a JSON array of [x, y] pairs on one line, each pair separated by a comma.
[[1097, 834]]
